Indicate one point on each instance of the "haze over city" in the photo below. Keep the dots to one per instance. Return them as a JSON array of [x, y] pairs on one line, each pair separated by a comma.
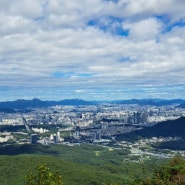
[[92, 50]]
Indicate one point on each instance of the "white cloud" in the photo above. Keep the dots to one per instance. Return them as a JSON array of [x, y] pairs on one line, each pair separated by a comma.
[[146, 29], [39, 38], [25, 8], [15, 24]]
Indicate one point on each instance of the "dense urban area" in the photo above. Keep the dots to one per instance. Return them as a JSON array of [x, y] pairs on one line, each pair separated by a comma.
[[93, 124]]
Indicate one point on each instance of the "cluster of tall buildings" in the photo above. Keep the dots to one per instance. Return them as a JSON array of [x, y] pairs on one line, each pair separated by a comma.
[[54, 138]]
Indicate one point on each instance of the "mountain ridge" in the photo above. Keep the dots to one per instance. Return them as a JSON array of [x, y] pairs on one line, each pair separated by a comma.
[[169, 128], [37, 103]]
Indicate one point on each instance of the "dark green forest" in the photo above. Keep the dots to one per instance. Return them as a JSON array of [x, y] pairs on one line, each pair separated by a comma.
[[84, 164]]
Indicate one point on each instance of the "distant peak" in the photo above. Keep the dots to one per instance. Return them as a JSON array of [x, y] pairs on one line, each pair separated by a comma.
[[36, 99]]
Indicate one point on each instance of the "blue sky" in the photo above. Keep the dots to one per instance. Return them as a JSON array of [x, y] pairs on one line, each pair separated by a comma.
[[94, 50]]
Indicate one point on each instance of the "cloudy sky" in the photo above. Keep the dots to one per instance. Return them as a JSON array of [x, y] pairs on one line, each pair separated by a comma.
[[92, 49]]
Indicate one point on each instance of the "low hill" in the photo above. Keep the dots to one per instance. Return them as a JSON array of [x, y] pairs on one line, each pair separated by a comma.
[[173, 145], [171, 128]]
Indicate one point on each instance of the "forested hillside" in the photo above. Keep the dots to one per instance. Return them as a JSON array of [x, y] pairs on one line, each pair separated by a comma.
[[170, 128], [84, 165]]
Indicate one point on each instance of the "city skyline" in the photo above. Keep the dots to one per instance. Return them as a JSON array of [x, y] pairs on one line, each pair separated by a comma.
[[92, 50]]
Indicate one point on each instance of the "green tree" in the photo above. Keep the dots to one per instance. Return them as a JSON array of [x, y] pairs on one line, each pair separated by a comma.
[[44, 176], [171, 174]]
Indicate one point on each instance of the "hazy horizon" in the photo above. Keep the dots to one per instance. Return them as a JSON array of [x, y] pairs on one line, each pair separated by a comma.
[[91, 100]]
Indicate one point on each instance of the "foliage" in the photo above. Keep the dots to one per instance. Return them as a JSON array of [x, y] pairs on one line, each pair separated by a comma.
[[172, 145], [77, 164], [44, 176], [14, 169], [172, 174], [11, 128]]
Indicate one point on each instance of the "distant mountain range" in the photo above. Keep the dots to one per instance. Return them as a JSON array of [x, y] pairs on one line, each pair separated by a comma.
[[22, 104], [153, 102], [36, 103]]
